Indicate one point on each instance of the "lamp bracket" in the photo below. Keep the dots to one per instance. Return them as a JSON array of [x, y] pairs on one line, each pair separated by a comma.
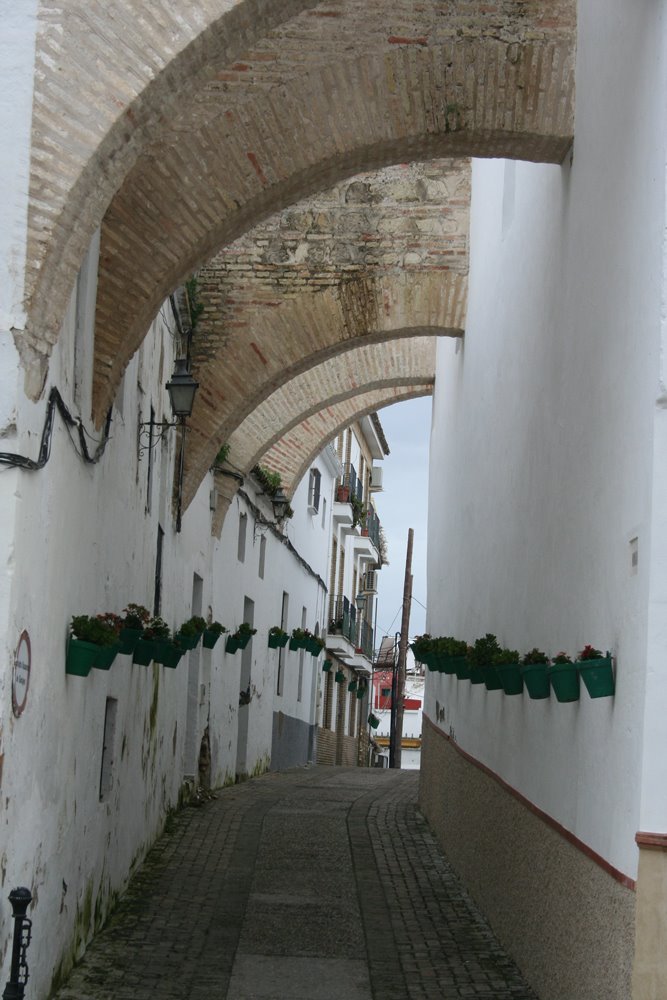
[[151, 432]]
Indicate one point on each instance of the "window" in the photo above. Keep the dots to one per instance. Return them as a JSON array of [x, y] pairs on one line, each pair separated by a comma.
[[109, 738], [157, 596], [281, 652], [299, 689], [243, 528], [149, 478], [353, 713], [314, 485], [262, 556], [324, 512], [328, 699]]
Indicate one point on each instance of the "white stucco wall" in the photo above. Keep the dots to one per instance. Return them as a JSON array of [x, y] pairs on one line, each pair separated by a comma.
[[543, 447], [85, 542]]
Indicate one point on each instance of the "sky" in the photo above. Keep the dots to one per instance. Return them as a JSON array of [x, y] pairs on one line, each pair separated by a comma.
[[403, 505]]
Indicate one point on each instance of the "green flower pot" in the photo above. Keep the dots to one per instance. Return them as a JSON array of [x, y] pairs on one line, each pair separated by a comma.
[[452, 664], [536, 679], [339, 677], [326, 666], [80, 657], [168, 653], [374, 722], [105, 656], [232, 644], [210, 638], [476, 675], [462, 668], [278, 641], [564, 681], [295, 644], [129, 637], [243, 639], [361, 692], [492, 680], [143, 652], [510, 677], [598, 676], [352, 686], [188, 641]]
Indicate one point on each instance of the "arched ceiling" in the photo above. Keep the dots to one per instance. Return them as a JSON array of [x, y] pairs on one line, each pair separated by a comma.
[[377, 258], [311, 401], [195, 127], [293, 455], [294, 452]]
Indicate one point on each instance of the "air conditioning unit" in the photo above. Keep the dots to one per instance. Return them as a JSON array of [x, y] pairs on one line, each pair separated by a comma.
[[376, 478], [370, 582]]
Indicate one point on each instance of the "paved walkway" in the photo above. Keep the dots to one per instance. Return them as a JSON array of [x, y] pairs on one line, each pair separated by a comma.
[[314, 884]]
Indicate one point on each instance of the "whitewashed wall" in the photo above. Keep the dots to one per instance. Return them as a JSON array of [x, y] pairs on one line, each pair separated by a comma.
[[85, 542], [543, 450]]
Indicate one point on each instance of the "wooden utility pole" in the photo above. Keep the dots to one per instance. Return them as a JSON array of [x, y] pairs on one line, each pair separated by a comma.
[[398, 689]]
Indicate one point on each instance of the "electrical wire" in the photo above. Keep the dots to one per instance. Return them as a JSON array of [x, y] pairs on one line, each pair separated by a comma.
[[56, 401]]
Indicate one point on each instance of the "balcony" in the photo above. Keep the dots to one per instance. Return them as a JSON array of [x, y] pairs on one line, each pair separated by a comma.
[[349, 636]]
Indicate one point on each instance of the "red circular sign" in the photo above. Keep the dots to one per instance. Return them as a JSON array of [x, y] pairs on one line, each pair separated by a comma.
[[21, 674]]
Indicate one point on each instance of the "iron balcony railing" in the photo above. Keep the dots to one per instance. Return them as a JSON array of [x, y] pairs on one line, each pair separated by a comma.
[[372, 527], [345, 620], [355, 484]]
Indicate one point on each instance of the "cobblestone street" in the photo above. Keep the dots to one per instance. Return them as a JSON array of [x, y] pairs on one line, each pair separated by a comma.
[[315, 884]]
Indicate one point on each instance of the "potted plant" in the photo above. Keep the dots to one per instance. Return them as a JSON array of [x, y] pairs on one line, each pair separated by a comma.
[[149, 645], [596, 672], [422, 647], [92, 642], [278, 637], [327, 665], [359, 510], [339, 677], [343, 494], [336, 625], [298, 639], [240, 638], [212, 633], [165, 650], [448, 652], [315, 645], [480, 660], [190, 632], [373, 721], [352, 686], [534, 672], [506, 662], [132, 625], [564, 678]]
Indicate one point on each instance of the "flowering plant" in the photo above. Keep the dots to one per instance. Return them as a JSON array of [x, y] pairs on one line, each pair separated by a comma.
[[503, 656], [535, 656], [136, 616], [589, 653], [93, 628], [562, 658]]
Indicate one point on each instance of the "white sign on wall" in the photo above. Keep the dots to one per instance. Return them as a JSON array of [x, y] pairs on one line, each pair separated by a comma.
[[21, 674]]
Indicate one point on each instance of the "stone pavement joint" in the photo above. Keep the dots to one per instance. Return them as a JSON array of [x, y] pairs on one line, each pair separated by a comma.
[[312, 884]]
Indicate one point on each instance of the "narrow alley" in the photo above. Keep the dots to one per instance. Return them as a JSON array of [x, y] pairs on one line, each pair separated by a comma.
[[316, 884]]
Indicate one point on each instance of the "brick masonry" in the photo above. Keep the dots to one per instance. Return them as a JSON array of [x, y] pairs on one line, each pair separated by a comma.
[[373, 259], [200, 122], [406, 361]]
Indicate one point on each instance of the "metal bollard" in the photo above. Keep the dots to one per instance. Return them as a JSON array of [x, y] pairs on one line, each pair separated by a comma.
[[15, 989]]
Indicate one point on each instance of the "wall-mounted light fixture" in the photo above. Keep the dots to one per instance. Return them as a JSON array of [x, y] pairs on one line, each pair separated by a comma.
[[280, 503], [360, 601], [182, 389]]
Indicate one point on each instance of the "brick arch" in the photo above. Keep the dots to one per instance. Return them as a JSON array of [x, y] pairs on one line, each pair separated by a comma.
[[139, 64], [389, 79], [305, 331], [294, 453], [401, 363]]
